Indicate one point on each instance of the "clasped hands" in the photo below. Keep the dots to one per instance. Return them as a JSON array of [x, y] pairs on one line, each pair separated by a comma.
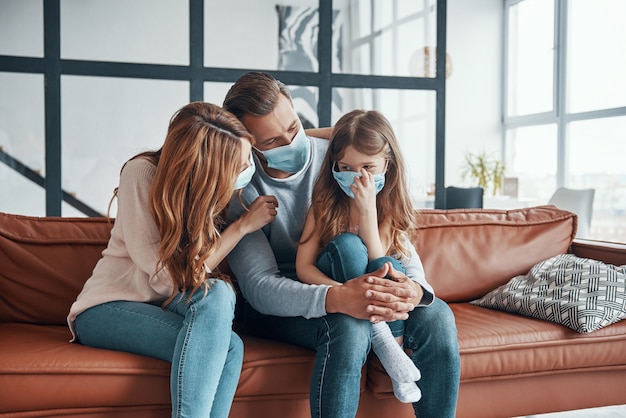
[[374, 297]]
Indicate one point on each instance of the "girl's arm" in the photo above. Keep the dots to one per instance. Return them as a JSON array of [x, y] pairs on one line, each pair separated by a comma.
[[365, 200], [261, 212], [306, 255]]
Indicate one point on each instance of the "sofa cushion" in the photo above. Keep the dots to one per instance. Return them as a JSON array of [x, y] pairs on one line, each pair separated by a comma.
[[468, 252], [45, 262], [41, 370], [582, 294], [496, 345]]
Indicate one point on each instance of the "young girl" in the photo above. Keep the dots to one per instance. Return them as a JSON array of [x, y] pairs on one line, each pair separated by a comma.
[[359, 213], [156, 290]]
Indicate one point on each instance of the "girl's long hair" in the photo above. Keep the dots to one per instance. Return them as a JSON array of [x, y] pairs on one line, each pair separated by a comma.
[[369, 132], [197, 167]]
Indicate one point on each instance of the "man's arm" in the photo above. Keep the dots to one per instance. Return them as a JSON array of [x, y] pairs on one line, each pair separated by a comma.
[[253, 263], [324, 133]]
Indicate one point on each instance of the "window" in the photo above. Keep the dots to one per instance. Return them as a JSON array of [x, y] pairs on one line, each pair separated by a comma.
[[565, 103], [88, 83]]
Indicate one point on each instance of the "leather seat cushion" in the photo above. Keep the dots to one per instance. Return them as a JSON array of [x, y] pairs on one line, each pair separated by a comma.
[[38, 366], [499, 345]]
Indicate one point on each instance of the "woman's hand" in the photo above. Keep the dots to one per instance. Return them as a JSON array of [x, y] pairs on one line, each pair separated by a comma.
[[261, 212]]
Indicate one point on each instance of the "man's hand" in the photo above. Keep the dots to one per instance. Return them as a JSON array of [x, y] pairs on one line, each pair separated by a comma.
[[392, 297], [374, 297]]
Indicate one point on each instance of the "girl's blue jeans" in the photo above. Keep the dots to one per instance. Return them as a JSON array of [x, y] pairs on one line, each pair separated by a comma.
[[342, 343], [195, 336], [345, 257]]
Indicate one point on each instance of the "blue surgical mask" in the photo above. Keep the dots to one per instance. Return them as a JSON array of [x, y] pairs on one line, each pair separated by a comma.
[[346, 178], [290, 158], [246, 175]]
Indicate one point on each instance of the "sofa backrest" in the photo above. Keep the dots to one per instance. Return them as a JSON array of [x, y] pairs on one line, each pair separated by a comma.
[[468, 252], [44, 263]]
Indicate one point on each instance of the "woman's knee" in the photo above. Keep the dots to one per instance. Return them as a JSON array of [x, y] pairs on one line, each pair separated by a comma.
[[218, 292]]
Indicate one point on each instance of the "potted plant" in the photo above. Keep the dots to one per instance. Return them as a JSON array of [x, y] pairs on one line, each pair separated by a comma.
[[486, 170]]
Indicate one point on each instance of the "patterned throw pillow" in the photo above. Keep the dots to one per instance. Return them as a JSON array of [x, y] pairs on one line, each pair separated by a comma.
[[582, 294]]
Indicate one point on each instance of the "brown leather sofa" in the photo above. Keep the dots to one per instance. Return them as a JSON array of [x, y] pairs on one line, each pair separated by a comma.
[[510, 365]]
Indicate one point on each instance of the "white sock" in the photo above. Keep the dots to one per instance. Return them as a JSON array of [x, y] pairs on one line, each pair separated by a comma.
[[406, 392], [396, 362]]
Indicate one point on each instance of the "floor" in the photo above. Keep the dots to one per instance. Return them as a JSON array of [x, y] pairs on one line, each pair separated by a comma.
[[618, 411]]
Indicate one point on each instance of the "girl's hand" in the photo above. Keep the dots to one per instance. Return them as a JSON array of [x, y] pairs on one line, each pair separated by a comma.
[[261, 212], [364, 192]]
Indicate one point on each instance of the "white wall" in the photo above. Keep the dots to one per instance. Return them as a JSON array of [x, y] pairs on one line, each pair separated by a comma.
[[474, 89]]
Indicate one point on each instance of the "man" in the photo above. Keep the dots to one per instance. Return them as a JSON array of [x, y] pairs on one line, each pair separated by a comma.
[[333, 321]]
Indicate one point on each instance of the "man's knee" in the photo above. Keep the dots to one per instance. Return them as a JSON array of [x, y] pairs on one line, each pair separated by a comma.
[[348, 333], [432, 324]]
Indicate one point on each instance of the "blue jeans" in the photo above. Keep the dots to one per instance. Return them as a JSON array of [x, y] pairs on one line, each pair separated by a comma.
[[345, 257], [342, 343], [195, 336]]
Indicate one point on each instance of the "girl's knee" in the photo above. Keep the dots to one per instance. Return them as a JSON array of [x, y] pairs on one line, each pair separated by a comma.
[[377, 263]]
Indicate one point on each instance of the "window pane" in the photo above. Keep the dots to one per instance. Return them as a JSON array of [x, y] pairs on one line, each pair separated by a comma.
[[259, 34], [105, 121], [530, 57], [19, 195], [21, 28], [22, 119], [596, 58], [413, 125], [216, 92], [395, 42], [536, 171], [22, 139], [120, 30], [601, 167]]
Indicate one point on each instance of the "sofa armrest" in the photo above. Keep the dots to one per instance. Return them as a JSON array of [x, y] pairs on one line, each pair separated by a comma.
[[607, 252]]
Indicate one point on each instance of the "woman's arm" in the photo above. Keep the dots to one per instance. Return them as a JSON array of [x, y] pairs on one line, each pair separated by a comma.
[[261, 212], [306, 255]]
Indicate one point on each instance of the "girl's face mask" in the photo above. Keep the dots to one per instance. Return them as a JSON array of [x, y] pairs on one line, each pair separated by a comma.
[[346, 178]]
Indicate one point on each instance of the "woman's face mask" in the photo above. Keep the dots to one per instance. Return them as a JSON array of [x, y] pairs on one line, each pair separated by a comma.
[[346, 178], [246, 175], [289, 158]]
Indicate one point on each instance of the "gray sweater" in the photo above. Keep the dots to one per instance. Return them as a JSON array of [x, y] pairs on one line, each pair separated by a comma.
[[264, 261]]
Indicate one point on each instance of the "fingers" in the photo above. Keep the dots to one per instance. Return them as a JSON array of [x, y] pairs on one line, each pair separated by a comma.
[[364, 182], [261, 212], [269, 201], [386, 290], [378, 314], [379, 274]]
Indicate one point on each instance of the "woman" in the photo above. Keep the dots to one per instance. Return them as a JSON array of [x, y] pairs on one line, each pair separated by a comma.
[[156, 290]]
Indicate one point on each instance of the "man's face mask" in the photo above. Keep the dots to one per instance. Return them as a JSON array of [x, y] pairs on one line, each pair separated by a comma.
[[290, 158]]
